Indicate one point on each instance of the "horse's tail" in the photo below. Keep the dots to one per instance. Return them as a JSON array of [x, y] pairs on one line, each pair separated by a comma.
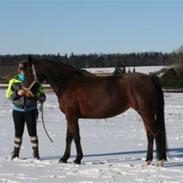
[[161, 141]]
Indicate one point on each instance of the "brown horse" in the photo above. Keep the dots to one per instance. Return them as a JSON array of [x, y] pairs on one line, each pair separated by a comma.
[[84, 95]]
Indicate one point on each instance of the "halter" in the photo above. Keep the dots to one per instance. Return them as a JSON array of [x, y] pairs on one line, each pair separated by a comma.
[[34, 73], [34, 81]]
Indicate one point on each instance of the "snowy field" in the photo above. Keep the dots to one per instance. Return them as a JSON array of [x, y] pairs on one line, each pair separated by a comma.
[[144, 69], [114, 148]]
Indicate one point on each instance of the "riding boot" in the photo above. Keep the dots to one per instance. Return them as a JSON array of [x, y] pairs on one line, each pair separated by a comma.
[[34, 142], [17, 145]]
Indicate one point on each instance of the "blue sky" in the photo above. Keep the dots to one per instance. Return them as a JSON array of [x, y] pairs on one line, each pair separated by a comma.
[[90, 26]]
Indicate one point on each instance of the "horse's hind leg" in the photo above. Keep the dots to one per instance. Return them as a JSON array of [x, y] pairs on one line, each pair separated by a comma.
[[149, 156], [154, 131], [161, 146], [151, 131]]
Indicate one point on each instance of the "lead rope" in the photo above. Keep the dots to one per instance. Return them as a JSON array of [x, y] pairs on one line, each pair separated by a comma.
[[41, 104], [42, 119]]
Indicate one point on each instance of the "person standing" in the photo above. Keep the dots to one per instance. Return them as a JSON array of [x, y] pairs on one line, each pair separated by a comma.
[[24, 110]]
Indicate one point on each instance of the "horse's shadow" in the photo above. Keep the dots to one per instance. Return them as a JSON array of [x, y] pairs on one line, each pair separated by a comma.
[[127, 156]]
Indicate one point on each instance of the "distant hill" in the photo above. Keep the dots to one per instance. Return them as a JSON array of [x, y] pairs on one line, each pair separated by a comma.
[[171, 76], [179, 50]]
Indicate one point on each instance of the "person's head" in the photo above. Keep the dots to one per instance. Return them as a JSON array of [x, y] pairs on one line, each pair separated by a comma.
[[22, 66]]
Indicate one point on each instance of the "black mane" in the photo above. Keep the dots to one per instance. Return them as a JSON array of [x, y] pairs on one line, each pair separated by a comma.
[[57, 65]]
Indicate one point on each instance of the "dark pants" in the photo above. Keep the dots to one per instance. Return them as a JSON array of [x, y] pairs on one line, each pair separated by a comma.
[[30, 118]]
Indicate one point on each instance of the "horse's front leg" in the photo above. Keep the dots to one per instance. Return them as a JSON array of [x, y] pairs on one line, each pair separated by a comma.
[[69, 138], [72, 133], [77, 143]]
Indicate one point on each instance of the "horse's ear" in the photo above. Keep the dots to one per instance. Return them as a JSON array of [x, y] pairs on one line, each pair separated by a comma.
[[29, 60]]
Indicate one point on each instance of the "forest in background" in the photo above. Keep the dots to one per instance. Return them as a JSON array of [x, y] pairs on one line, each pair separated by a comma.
[[8, 63], [96, 60]]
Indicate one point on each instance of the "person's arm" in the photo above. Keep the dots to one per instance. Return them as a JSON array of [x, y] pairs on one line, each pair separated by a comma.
[[12, 91]]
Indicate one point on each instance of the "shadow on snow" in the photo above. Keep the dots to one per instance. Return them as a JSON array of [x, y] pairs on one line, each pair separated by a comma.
[[172, 153]]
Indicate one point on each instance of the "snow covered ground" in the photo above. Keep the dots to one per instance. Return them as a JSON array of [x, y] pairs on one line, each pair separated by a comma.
[[144, 69], [114, 148]]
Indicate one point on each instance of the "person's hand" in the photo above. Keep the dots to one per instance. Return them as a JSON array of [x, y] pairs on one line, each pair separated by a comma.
[[21, 92], [24, 92]]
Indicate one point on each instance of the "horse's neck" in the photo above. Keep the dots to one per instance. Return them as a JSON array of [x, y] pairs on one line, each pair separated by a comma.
[[56, 89], [58, 77]]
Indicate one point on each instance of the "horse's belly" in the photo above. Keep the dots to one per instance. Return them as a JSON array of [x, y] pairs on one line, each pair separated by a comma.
[[103, 112]]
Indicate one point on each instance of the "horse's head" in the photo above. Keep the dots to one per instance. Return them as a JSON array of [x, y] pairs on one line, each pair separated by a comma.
[[33, 72]]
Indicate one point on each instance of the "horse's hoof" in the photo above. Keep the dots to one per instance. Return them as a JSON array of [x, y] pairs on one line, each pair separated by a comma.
[[77, 162], [160, 163], [147, 162], [62, 160]]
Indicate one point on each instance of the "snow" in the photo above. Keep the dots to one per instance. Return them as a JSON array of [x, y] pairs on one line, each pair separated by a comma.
[[144, 69], [114, 148]]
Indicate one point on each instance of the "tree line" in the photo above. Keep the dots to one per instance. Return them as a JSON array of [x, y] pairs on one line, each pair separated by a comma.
[[97, 60], [8, 63]]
